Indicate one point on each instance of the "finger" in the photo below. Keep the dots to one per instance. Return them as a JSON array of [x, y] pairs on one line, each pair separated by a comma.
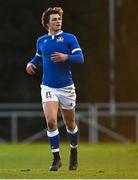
[[55, 58], [34, 67], [57, 52], [31, 71], [54, 55]]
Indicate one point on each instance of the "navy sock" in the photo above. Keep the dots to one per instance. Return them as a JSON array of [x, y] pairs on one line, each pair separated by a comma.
[[53, 137], [73, 137]]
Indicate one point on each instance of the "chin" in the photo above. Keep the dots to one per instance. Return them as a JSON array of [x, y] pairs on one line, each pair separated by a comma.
[[57, 30]]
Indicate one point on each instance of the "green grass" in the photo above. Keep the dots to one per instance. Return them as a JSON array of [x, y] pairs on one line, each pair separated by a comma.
[[95, 161]]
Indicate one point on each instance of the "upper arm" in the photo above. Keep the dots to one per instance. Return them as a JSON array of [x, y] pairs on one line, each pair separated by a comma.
[[74, 44]]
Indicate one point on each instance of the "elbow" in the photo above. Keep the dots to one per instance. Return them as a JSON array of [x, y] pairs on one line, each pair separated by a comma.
[[81, 57], [81, 60], [78, 58]]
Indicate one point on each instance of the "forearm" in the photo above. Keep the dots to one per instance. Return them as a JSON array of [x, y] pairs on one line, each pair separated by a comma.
[[76, 58], [37, 61]]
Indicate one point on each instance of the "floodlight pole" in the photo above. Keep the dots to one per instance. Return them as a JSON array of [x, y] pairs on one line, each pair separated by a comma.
[[112, 54]]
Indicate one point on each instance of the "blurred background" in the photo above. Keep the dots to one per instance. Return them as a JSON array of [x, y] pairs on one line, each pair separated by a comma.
[[106, 84]]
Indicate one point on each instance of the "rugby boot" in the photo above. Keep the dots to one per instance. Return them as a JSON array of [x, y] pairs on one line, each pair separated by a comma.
[[73, 162], [55, 165]]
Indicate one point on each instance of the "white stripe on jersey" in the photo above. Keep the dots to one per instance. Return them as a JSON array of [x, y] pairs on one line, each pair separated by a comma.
[[38, 55], [76, 49]]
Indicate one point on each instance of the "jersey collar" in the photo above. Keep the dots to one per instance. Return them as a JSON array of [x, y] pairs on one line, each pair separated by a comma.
[[55, 34]]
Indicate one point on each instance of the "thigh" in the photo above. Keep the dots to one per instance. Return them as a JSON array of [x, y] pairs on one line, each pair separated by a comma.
[[69, 118], [50, 109]]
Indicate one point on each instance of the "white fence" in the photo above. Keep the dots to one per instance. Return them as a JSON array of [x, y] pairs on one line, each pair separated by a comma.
[[86, 113]]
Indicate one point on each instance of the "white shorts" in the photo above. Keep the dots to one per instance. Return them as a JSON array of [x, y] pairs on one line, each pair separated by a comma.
[[66, 96]]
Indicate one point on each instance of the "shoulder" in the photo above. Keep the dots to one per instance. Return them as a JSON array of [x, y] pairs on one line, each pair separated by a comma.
[[41, 38], [69, 36]]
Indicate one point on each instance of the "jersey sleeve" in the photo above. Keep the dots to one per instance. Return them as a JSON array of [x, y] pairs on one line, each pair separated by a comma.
[[76, 55], [74, 44], [37, 59]]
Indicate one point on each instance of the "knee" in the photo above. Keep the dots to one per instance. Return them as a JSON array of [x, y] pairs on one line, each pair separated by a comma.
[[71, 127], [51, 123]]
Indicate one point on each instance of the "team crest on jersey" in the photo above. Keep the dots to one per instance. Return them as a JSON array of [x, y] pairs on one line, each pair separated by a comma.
[[60, 39]]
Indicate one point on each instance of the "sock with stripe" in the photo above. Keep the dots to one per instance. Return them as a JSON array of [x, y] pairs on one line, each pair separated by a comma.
[[53, 137], [73, 137]]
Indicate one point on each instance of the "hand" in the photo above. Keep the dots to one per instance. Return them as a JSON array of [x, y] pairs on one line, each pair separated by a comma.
[[31, 69], [59, 57]]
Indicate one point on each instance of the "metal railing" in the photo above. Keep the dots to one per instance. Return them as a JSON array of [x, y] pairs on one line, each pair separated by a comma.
[[87, 113]]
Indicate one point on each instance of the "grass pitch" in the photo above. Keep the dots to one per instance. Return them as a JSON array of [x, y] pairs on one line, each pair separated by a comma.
[[95, 161]]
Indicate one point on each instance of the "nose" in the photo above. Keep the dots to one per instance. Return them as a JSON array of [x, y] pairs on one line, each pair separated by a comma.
[[58, 20]]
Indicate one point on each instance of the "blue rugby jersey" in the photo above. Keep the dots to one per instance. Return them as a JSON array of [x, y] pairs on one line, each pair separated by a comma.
[[57, 74]]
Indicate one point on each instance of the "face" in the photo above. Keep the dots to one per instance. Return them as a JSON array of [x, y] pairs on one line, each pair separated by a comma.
[[55, 23]]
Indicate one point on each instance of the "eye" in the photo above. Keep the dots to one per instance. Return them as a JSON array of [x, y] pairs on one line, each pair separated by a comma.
[[54, 19]]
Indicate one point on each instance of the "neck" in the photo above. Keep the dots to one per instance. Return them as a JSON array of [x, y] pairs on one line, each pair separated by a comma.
[[54, 32]]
